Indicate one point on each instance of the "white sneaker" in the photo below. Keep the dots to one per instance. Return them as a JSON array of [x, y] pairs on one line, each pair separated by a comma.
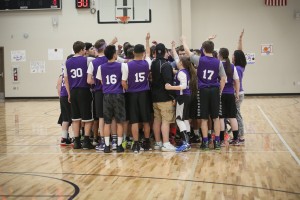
[[157, 145], [113, 145], [168, 147]]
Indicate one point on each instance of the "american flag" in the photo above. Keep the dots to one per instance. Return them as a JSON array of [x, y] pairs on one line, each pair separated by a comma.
[[276, 2]]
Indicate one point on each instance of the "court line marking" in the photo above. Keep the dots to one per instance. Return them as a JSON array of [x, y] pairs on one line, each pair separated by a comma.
[[280, 136], [188, 187], [158, 178]]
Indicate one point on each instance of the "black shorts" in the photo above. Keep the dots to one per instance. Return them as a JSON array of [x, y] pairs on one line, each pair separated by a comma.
[[114, 107], [81, 104], [94, 107], [228, 106], [209, 102], [195, 106], [98, 98], [183, 107], [126, 96], [65, 109], [139, 107]]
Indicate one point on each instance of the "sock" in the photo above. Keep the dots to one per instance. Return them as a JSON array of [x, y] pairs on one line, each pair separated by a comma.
[[64, 134], [217, 138], [106, 139], [102, 139], [196, 132], [124, 136], [222, 135], [235, 134], [114, 137], [120, 139], [184, 136], [82, 131], [205, 139]]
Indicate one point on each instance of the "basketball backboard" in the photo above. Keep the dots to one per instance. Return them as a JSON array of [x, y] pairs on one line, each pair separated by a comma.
[[138, 11]]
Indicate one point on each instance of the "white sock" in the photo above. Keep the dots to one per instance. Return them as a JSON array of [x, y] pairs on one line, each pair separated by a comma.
[[120, 139], [196, 132], [106, 139], [64, 134]]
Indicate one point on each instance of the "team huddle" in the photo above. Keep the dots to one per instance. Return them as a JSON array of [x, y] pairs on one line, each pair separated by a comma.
[[118, 97]]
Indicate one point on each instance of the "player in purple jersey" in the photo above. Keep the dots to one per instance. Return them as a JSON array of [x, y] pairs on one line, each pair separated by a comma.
[[110, 75], [100, 59], [229, 97], [211, 81], [186, 84], [137, 76], [239, 60], [79, 94]]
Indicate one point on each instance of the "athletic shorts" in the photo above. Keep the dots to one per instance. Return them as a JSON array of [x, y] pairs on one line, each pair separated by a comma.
[[81, 104], [183, 107], [98, 98], [139, 107], [65, 109], [94, 107], [195, 106], [209, 102], [164, 111], [114, 107], [228, 106]]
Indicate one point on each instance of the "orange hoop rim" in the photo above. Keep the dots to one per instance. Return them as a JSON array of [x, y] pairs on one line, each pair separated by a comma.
[[123, 19]]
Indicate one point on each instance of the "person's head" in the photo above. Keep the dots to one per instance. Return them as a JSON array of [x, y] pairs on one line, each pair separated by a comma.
[[110, 52], [239, 58], [138, 51], [197, 52], [208, 46], [152, 51], [89, 49], [160, 50], [130, 54], [214, 53], [100, 45], [224, 56], [126, 46], [180, 51], [79, 48]]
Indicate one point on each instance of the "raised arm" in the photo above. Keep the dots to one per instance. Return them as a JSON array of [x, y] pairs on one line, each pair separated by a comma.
[[240, 43], [148, 45], [211, 37], [185, 46]]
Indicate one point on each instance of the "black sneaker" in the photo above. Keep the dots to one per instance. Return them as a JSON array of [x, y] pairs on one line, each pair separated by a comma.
[[107, 149], [135, 147], [194, 139], [146, 146], [217, 145], [120, 148], [87, 145], [65, 142], [77, 144], [204, 146]]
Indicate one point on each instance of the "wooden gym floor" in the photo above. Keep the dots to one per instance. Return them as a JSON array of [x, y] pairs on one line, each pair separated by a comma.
[[34, 166]]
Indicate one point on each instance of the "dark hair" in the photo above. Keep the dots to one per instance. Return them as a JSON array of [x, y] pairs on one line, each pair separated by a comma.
[[130, 54], [224, 53], [126, 46], [208, 46], [100, 45], [152, 50], [78, 46], [239, 58], [138, 49], [197, 51], [110, 51], [88, 45], [180, 48], [215, 54], [187, 64]]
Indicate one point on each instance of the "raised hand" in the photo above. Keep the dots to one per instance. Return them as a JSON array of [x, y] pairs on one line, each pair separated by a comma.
[[148, 36], [211, 37]]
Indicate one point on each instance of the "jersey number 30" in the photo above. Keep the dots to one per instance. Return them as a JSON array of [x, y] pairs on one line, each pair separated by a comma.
[[76, 73]]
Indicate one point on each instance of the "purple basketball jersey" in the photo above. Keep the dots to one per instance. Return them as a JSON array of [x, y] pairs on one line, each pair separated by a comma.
[[177, 82], [76, 70], [208, 72], [111, 74], [96, 63], [138, 73], [63, 90]]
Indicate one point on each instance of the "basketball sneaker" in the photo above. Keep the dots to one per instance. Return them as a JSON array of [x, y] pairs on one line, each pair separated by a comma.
[[107, 149], [183, 147], [114, 144], [146, 146], [65, 142], [135, 147], [77, 144], [204, 146], [217, 145], [234, 142], [87, 145], [120, 148], [157, 145], [168, 147], [241, 141]]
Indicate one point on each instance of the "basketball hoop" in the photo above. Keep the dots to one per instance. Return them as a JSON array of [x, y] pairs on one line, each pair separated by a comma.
[[122, 19]]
